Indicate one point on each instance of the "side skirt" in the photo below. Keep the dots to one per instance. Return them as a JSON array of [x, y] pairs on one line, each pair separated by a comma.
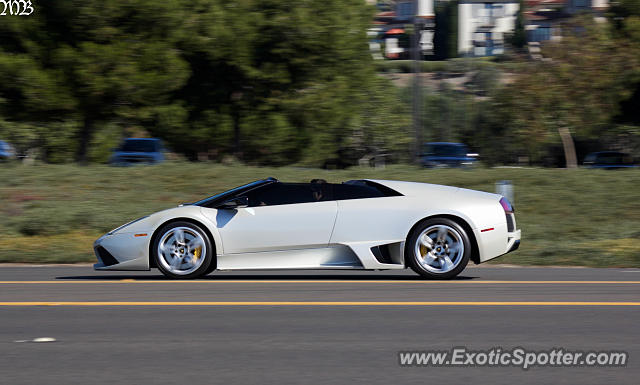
[[331, 257]]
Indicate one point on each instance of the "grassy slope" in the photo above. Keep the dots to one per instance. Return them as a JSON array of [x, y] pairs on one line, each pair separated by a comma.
[[53, 213]]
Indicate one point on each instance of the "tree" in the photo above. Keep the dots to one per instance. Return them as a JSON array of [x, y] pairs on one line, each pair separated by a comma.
[[625, 20], [289, 80], [90, 62], [519, 37], [622, 9], [269, 81], [445, 39], [576, 93]]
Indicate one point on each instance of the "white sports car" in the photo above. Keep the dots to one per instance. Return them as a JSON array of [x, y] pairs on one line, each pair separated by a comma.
[[359, 224]]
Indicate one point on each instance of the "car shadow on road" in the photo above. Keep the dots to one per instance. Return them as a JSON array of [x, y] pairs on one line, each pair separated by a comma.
[[262, 277]]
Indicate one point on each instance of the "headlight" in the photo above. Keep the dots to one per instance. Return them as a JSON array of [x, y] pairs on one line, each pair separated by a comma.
[[126, 224]]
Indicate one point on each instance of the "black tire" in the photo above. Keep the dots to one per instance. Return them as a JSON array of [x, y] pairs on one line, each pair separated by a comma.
[[414, 261], [212, 266], [208, 263]]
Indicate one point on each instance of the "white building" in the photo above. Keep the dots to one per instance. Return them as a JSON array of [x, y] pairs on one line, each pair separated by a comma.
[[482, 26], [405, 9]]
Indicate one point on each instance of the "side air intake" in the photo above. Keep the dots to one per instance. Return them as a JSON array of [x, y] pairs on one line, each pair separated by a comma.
[[105, 256], [390, 253]]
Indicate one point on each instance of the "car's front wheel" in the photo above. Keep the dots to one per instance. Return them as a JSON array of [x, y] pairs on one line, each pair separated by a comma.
[[438, 248], [183, 250]]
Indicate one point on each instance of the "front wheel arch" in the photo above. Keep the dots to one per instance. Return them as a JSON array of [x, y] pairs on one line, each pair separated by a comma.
[[152, 261], [475, 250]]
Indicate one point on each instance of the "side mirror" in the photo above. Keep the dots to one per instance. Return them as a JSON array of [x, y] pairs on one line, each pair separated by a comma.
[[235, 203]]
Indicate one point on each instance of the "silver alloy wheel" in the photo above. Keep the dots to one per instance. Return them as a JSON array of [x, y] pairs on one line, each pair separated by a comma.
[[439, 249], [182, 250]]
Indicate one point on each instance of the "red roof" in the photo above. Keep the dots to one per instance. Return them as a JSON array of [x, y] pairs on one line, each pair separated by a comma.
[[386, 14], [395, 31]]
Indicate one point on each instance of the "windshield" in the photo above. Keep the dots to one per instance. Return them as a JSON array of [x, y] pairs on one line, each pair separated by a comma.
[[446, 150], [139, 146], [207, 202]]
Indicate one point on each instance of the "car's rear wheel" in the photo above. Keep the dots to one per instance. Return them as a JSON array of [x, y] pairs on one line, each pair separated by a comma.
[[183, 250], [438, 248]]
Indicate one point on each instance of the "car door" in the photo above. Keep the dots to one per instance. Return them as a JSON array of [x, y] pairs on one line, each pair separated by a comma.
[[367, 214], [280, 216]]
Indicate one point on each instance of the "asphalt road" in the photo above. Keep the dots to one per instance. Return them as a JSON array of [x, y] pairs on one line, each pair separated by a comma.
[[308, 327]]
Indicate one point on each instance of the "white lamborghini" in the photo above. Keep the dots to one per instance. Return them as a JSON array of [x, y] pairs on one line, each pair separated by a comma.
[[360, 224]]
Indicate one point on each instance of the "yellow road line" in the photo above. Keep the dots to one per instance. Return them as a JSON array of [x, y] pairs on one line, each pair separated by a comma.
[[315, 281], [305, 303]]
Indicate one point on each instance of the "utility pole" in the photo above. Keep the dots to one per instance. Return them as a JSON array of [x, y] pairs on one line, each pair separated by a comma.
[[423, 20], [417, 86]]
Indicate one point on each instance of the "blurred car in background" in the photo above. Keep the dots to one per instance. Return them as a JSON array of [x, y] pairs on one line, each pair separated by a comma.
[[446, 154], [138, 151], [609, 160], [6, 151]]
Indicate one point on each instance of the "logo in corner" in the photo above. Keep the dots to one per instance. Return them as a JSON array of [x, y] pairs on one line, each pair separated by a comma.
[[16, 7]]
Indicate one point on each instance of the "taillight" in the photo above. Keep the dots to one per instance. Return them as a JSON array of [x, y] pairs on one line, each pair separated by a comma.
[[506, 205]]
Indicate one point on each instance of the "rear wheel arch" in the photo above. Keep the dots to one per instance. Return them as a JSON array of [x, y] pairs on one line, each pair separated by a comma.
[[156, 233], [475, 251]]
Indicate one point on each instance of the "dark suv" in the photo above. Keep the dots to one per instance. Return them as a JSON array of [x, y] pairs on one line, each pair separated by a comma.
[[445, 154], [609, 160], [138, 150]]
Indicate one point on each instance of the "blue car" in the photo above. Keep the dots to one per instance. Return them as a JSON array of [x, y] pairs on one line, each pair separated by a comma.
[[609, 160], [445, 154], [138, 151], [6, 151]]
